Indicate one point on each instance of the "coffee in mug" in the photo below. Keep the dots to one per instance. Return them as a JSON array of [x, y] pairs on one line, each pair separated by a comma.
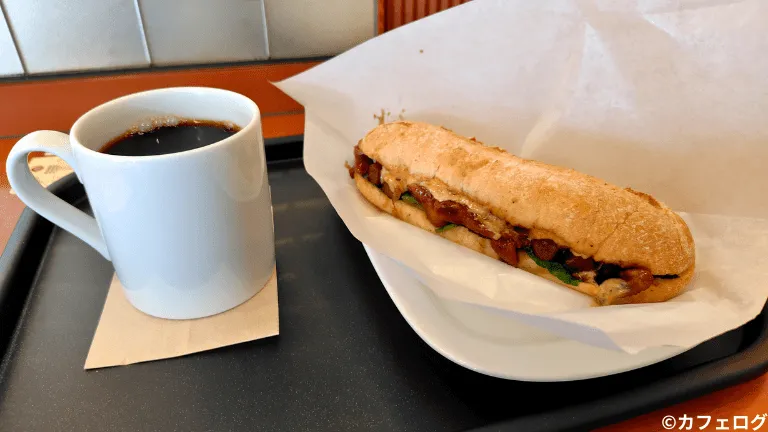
[[169, 136]]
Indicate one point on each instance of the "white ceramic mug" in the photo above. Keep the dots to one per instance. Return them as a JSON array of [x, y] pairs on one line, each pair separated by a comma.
[[190, 234]]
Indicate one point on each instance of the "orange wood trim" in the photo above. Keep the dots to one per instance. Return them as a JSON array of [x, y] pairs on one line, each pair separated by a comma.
[[10, 205], [55, 104], [5, 148], [283, 125]]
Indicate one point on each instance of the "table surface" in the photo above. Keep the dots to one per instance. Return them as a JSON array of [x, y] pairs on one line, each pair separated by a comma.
[[748, 399]]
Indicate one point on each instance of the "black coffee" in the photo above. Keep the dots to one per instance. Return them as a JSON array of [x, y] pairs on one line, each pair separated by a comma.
[[183, 136]]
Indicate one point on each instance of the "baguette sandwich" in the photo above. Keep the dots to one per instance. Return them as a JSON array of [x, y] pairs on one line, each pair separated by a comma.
[[616, 245]]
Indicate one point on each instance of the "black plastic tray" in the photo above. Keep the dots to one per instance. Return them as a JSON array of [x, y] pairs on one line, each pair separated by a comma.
[[344, 360]]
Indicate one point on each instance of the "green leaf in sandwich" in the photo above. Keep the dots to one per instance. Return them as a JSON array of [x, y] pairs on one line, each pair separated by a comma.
[[408, 198], [445, 227], [556, 269]]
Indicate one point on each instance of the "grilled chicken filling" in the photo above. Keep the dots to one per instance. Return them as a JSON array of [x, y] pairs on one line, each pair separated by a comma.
[[446, 209]]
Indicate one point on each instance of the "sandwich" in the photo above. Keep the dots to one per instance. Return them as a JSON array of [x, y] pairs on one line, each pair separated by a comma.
[[616, 245]]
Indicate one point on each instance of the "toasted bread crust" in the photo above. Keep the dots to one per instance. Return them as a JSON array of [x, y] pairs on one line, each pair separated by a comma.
[[661, 290], [589, 215]]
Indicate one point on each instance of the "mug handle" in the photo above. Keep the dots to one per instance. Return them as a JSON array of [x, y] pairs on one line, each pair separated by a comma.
[[40, 199]]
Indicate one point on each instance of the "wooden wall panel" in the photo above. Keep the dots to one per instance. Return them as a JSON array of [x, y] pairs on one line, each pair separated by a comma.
[[396, 13]]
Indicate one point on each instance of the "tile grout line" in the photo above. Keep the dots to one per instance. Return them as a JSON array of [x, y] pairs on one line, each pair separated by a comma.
[[13, 39], [266, 28], [144, 40]]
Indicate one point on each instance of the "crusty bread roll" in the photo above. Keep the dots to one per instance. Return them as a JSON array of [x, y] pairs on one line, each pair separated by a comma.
[[580, 212]]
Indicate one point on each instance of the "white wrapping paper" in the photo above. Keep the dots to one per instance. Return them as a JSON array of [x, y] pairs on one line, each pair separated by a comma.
[[666, 97]]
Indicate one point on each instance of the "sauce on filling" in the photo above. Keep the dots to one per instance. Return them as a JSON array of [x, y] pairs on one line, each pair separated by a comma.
[[444, 206]]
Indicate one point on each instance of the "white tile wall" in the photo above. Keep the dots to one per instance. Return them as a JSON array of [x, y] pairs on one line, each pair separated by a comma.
[[305, 28], [45, 36], [66, 35], [10, 64], [202, 31]]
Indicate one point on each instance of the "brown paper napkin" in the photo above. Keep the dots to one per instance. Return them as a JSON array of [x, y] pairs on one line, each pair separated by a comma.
[[126, 336], [47, 169]]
